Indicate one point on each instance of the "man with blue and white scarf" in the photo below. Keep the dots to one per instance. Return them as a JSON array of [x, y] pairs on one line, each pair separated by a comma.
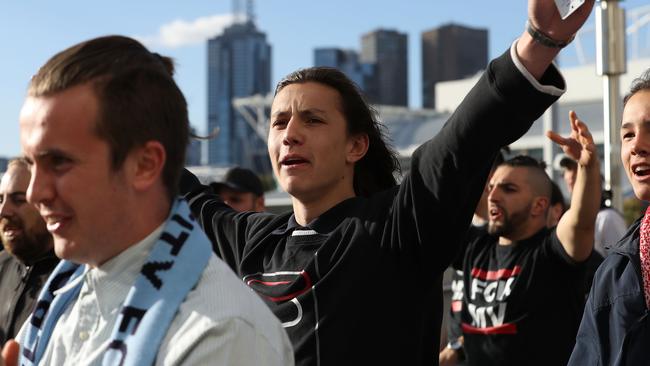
[[104, 129]]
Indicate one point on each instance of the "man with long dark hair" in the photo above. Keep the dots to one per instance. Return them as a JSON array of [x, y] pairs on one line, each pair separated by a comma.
[[521, 276], [354, 273]]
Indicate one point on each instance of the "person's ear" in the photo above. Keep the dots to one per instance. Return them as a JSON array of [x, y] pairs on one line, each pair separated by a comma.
[[357, 147], [147, 163], [259, 204], [540, 206]]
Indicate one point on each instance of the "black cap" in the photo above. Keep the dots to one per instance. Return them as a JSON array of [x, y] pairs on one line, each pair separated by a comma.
[[562, 161], [240, 180]]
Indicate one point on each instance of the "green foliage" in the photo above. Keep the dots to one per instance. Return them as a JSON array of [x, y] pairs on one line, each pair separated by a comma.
[[633, 208], [268, 182]]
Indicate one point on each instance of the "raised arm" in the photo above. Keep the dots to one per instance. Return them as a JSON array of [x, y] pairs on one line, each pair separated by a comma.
[[576, 227], [513, 92], [545, 22]]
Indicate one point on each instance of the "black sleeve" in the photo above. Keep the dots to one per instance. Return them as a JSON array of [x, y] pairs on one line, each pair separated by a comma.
[[554, 250], [228, 230], [474, 233], [435, 202]]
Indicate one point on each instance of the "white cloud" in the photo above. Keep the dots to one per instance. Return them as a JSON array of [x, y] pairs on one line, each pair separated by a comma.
[[179, 33]]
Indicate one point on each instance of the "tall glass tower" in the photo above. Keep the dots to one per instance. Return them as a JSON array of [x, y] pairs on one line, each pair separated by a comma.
[[239, 65]]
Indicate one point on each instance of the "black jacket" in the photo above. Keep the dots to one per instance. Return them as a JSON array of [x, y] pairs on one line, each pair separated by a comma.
[[615, 328], [362, 283], [19, 289]]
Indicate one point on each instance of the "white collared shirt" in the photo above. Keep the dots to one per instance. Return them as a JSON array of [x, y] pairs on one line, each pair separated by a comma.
[[220, 322]]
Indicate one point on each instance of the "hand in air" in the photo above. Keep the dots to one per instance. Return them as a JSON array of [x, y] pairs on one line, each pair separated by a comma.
[[579, 146], [545, 17]]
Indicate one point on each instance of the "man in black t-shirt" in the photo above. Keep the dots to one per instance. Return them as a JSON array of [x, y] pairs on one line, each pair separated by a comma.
[[523, 290]]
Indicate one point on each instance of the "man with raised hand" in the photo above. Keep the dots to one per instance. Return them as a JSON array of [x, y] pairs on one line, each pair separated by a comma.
[[354, 272], [360, 258], [524, 292]]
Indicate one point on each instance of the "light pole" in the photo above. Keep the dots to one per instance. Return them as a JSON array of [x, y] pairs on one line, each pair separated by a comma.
[[610, 64], [550, 149]]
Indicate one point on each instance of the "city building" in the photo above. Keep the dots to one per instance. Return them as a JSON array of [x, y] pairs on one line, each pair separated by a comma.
[[239, 65], [347, 61], [409, 128], [584, 95], [386, 53], [3, 165], [451, 52]]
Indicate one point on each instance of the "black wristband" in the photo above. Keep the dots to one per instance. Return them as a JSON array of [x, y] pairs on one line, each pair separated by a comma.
[[544, 39]]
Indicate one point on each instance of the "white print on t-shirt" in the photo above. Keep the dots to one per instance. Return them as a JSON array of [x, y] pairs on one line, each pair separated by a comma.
[[491, 288], [457, 293], [457, 288], [282, 288], [479, 318], [298, 317]]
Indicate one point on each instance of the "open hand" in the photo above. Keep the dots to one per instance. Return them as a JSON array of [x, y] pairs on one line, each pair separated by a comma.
[[579, 146]]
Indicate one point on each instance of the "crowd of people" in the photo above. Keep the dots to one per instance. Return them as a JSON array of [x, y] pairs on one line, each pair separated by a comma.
[[117, 255]]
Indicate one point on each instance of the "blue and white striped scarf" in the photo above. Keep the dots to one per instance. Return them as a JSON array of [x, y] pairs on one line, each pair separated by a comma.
[[172, 269]]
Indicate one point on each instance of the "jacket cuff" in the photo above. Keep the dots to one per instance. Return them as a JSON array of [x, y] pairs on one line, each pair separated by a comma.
[[551, 75]]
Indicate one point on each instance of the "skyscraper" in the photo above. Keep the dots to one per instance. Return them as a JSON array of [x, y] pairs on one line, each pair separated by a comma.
[[386, 51], [451, 52], [3, 165], [344, 60], [239, 65]]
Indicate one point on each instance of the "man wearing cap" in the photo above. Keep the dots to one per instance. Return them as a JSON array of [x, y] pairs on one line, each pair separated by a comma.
[[610, 225], [569, 170], [241, 189]]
